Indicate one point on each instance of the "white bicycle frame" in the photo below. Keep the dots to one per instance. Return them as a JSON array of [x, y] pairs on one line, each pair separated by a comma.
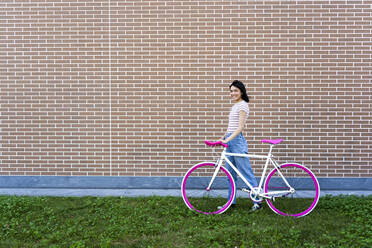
[[256, 191]]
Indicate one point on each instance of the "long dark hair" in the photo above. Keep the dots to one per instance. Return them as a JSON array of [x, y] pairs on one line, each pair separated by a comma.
[[241, 87]]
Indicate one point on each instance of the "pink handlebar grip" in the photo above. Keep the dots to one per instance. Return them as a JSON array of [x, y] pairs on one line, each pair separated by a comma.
[[217, 143]]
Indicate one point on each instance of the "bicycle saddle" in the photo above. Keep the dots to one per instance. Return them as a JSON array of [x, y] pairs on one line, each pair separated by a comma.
[[273, 142]]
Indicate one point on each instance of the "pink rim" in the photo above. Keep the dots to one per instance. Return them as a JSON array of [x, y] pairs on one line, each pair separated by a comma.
[[316, 191], [220, 211]]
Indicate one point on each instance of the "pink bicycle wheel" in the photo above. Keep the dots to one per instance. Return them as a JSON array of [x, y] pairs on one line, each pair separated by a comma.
[[207, 201], [302, 200]]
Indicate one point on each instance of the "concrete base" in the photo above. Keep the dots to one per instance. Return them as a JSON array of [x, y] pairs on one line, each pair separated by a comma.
[[146, 186], [138, 192]]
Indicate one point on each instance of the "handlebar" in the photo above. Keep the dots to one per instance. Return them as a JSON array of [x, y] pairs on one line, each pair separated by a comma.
[[217, 143]]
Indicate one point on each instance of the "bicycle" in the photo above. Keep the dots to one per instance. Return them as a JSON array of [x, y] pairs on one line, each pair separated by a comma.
[[204, 185]]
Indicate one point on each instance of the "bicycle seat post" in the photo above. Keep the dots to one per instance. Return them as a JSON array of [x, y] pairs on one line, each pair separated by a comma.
[[270, 151]]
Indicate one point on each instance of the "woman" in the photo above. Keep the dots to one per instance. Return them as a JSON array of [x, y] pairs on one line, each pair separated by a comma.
[[234, 137]]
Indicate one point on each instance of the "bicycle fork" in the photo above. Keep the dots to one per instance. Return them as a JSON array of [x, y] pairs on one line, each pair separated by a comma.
[[219, 164]]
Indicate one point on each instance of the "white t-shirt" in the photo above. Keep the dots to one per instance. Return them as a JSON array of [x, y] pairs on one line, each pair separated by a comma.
[[234, 115]]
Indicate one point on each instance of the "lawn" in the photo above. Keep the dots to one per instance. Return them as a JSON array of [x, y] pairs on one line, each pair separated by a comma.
[[166, 222]]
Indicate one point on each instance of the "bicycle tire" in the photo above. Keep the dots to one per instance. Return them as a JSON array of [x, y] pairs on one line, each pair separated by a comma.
[[198, 198], [306, 187]]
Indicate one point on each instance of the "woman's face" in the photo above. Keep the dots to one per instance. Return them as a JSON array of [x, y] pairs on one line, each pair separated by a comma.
[[235, 94]]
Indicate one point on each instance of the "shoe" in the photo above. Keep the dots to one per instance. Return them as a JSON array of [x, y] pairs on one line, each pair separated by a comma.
[[256, 207], [220, 207]]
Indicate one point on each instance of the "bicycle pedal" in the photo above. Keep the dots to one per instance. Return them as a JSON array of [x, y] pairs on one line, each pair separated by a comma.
[[246, 190]]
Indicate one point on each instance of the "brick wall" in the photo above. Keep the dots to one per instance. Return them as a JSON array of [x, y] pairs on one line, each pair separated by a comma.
[[132, 88]]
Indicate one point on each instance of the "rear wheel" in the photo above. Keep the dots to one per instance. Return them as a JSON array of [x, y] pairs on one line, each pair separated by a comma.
[[301, 200], [207, 201]]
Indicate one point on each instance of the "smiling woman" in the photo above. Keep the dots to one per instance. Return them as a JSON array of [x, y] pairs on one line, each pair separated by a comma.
[[234, 137]]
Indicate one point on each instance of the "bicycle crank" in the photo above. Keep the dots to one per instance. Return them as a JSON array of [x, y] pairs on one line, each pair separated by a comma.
[[254, 196]]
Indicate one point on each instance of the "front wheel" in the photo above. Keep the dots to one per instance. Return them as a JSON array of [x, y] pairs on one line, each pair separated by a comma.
[[199, 198], [297, 200]]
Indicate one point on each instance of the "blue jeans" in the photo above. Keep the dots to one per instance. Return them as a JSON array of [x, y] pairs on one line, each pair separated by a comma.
[[239, 145]]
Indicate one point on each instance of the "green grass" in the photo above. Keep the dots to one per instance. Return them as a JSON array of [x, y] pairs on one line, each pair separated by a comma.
[[166, 222]]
